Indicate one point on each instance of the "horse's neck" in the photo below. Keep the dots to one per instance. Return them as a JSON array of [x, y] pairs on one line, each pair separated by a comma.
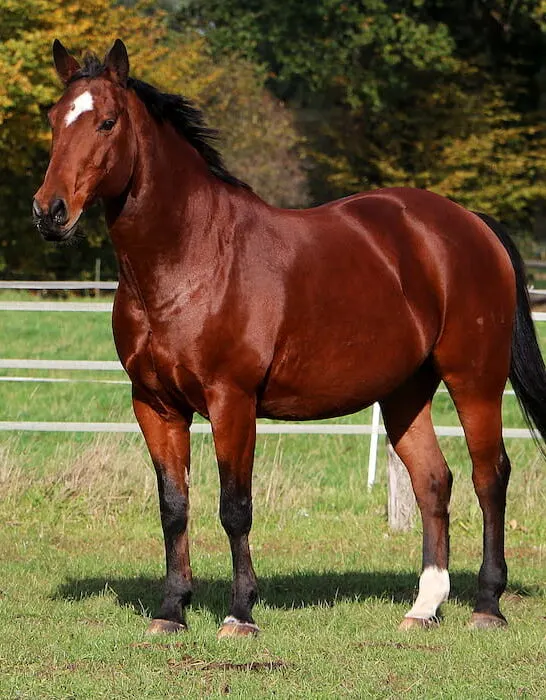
[[171, 222], [150, 220]]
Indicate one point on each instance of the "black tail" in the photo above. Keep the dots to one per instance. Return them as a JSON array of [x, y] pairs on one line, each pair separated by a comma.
[[527, 371]]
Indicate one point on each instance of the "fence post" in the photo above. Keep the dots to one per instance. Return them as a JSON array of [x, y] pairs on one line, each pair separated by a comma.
[[372, 461], [97, 275], [401, 500]]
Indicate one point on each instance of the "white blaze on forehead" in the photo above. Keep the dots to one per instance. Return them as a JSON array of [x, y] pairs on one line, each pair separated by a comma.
[[82, 103]]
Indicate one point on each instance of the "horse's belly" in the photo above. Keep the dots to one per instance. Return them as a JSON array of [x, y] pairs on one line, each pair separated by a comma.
[[338, 379], [291, 406]]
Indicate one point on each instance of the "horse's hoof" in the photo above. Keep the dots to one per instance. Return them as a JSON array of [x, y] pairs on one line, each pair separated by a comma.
[[484, 621], [159, 626], [413, 623], [231, 627]]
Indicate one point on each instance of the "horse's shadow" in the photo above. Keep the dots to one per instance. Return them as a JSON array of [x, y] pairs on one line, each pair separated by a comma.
[[297, 590]]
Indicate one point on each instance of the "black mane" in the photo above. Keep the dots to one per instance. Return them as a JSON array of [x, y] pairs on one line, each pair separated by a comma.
[[180, 112]]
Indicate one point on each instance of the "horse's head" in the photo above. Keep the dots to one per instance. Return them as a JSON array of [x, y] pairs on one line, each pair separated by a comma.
[[93, 148]]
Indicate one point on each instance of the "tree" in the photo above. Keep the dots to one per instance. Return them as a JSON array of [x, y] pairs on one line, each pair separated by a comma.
[[444, 94]]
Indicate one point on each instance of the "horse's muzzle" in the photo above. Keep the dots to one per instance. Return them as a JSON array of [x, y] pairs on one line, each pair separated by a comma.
[[53, 224]]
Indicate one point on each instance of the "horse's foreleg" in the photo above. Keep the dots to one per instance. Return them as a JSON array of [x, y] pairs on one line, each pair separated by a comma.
[[233, 418], [409, 427], [168, 440]]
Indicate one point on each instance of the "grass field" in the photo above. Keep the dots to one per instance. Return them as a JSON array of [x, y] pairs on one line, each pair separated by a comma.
[[81, 559]]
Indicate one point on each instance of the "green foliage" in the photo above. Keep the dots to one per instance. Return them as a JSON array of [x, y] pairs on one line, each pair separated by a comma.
[[425, 93], [358, 52], [447, 95], [257, 135]]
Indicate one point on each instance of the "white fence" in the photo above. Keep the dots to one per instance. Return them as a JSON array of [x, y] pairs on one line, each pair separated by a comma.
[[374, 429]]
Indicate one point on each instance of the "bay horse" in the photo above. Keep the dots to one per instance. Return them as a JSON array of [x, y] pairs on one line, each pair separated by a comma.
[[234, 309]]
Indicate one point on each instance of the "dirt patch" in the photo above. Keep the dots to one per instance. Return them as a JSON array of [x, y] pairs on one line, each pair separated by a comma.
[[524, 552], [159, 645], [188, 663], [401, 645], [513, 598]]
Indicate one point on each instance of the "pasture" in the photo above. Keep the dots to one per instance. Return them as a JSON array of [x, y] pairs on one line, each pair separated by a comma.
[[82, 558]]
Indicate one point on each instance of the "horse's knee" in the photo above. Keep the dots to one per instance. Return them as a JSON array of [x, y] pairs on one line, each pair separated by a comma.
[[173, 504], [235, 513]]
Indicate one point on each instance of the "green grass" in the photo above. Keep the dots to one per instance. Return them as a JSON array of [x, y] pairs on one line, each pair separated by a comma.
[[81, 560]]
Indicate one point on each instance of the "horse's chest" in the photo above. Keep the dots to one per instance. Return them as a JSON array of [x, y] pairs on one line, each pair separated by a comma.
[[163, 368], [156, 359]]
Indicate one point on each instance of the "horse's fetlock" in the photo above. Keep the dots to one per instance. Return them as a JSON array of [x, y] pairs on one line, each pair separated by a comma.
[[493, 578]]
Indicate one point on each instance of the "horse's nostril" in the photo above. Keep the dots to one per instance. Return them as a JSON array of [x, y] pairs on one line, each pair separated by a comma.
[[58, 212], [36, 209]]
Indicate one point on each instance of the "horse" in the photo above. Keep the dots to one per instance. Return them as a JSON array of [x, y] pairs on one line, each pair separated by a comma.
[[234, 309]]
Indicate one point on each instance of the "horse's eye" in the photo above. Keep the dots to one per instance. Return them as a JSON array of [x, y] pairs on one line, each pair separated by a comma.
[[107, 125]]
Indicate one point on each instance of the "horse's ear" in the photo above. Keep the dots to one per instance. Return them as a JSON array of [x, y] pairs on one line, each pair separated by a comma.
[[117, 62], [65, 64]]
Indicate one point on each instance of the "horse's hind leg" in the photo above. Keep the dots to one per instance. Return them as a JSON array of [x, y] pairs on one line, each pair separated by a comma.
[[407, 416], [481, 419]]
